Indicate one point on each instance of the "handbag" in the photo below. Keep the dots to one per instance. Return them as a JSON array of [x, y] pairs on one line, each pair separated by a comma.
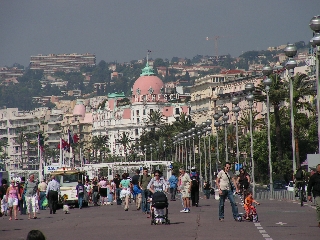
[[45, 202]]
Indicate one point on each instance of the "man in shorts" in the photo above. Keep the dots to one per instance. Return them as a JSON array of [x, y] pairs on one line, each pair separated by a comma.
[[185, 189]]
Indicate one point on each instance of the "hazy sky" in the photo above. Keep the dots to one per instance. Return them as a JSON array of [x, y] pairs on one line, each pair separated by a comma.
[[123, 30]]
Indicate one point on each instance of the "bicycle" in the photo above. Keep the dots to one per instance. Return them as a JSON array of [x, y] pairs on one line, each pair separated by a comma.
[[301, 192]]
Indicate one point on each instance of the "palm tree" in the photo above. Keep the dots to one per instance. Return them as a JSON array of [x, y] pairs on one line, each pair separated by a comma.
[[302, 88], [124, 140], [277, 95], [99, 143], [155, 119]]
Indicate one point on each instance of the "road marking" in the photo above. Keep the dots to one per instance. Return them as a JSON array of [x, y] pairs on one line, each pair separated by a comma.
[[281, 223], [262, 231]]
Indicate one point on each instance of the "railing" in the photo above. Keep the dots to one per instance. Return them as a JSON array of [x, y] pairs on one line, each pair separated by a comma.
[[278, 195]]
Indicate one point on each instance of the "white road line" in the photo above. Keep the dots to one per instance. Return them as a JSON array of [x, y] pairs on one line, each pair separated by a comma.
[[263, 232]]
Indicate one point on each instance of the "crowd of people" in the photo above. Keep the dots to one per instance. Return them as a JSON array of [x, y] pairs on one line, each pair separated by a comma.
[[29, 197]]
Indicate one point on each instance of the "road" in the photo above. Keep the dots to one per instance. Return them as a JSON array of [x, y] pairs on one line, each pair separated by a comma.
[[278, 220]]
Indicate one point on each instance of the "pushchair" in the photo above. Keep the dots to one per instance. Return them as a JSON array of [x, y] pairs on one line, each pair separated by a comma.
[[159, 209]]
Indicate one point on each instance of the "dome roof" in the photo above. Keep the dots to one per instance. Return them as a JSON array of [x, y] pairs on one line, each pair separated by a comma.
[[79, 109], [147, 83]]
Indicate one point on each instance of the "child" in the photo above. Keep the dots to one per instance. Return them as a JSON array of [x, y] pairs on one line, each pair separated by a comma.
[[65, 205], [110, 192], [4, 206], [248, 205]]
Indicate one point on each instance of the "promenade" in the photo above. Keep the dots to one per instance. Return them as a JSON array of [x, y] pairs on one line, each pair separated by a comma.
[[279, 220]]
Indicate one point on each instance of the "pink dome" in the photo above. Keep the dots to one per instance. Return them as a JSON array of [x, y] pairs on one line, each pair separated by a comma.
[[79, 109], [146, 85]]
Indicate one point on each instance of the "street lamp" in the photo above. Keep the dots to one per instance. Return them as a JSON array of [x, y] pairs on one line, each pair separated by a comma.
[[151, 149], [267, 83], [249, 87], [236, 109], [164, 149], [204, 131], [209, 122], [315, 42], [225, 118], [199, 149], [290, 52], [194, 152], [145, 153], [217, 125]]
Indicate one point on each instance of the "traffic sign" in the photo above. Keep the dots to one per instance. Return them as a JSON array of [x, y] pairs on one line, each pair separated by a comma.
[[238, 166]]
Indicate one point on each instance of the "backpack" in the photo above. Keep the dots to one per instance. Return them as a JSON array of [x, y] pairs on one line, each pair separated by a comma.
[[299, 174], [195, 183]]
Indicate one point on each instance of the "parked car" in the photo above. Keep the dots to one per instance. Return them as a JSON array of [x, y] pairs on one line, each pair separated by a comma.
[[290, 186], [278, 185]]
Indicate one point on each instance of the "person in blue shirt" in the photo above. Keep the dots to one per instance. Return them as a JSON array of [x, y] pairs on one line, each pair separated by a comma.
[[80, 193], [173, 181]]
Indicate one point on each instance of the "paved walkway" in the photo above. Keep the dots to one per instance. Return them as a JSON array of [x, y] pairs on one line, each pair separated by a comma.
[[278, 220]]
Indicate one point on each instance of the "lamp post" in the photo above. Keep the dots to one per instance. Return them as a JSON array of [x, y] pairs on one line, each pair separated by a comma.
[[236, 109], [145, 153], [225, 118], [194, 152], [267, 83], [157, 153], [249, 87], [185, 148], [199, 149], [290, 52], [315, 42], [209, 122], [151, 150], [216, 117], [164, 150], [204, 131]]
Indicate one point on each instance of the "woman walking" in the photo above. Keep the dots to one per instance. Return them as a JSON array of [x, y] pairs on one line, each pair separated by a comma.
[[125, 192], [13, 196]]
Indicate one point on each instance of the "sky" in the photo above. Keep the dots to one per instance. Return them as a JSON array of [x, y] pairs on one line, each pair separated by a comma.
[[123, 30]]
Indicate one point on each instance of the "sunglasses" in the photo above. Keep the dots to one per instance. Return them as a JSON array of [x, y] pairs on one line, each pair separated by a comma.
[[156, 174], [227, 167]]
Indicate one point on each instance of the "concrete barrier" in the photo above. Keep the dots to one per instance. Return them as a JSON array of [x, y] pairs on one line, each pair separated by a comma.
[[278, 195]]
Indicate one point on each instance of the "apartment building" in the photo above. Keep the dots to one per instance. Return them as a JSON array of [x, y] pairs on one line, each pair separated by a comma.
[[21, 154], [211, 92], [61, 62]]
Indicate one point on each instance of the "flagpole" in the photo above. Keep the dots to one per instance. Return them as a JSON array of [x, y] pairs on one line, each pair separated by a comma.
[[60, 159]]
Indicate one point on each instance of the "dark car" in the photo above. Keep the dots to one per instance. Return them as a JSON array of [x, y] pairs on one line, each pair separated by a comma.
[[278, 185]]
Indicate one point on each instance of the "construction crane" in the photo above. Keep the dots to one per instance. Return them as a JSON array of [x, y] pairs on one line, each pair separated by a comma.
[[215, 39]]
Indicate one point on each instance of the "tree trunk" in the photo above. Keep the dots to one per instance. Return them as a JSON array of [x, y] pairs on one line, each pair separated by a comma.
[[21, 161], [297, 151], [278, 131]]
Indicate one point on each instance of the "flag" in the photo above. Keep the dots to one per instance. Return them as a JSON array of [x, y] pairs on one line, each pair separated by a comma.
[[75, 138], [70, 139], [65, 145], [41, 141]]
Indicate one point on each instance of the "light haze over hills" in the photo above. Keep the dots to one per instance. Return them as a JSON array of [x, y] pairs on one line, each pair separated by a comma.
[[123, 30]]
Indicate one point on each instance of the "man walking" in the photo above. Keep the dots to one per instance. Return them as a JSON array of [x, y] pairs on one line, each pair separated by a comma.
[[185, 189], [31, 195], [314, 186], [143, 183], [225, 182], [136, 189], [52, 193], [173, 181], [80, 193]]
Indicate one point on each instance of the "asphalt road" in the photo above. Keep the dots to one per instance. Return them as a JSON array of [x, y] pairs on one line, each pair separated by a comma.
[[278, 220]]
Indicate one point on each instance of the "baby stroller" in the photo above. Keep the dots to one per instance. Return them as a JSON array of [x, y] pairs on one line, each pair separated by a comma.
[[159, 209]]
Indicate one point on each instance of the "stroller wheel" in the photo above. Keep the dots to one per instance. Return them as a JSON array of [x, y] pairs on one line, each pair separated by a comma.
[[168, 222]]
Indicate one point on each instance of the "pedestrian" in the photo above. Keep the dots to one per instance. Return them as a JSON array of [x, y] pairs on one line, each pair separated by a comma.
[[103, 191], [117, 181], [88, 187], [225, 187], [314, 187], [42, 189], [12, 196], [173, 181], [3, 197], [125, 191], [35, 235], [31, 195], [195, 184], [185, 189], [53, 191], [95, 193], [136, 190], [110, 192], [22, 201], [80, 193], [244, 181], [143, 183], [206, 189]]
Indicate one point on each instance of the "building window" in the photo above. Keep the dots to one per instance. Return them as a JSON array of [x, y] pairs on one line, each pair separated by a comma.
[[177, 111], [137, 112], [138, 120], [151, 110], [132, 113], [136, 131], [144, 112]]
